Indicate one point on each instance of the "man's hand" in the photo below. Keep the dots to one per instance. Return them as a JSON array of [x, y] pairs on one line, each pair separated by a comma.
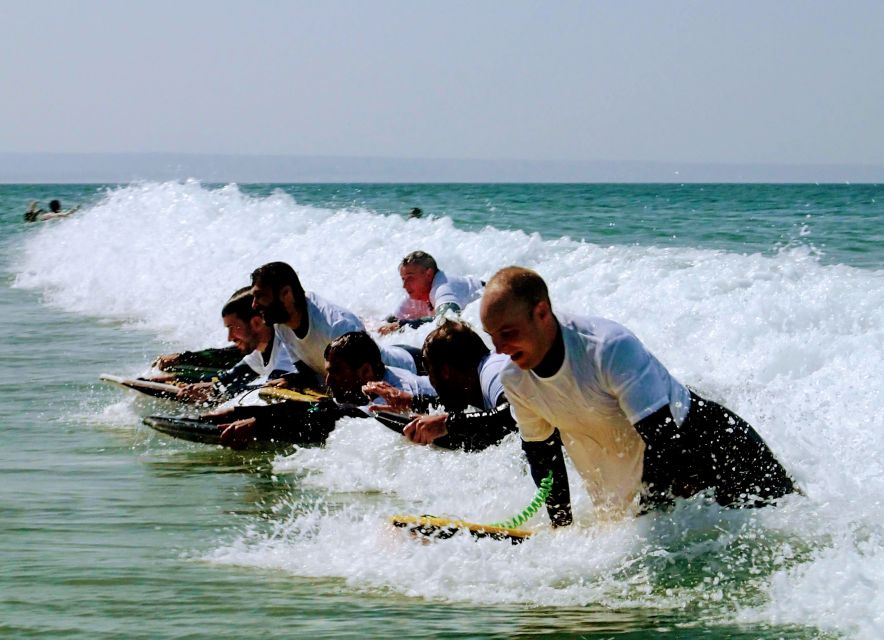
[[396, 400], [388, 328], [279, 383], [425, 429], [167, 360], [198, 391], [237, 435]]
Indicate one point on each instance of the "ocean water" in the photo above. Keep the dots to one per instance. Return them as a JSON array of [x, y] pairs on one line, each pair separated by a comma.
[[769, 297]]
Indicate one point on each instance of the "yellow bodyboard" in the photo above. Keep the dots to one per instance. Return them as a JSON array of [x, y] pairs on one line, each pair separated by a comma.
[[279, 394], [432, 526]]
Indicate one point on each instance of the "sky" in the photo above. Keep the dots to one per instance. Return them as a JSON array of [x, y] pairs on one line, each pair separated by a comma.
[[632, 81]]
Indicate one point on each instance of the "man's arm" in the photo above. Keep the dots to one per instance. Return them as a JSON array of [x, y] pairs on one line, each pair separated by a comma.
[[237, 378], [414, 323], [477, 430], [302, 377], [544, 457]]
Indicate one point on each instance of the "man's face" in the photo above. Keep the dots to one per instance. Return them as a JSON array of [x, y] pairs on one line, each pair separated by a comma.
[[267, 302], [516, 330], [451, 386], [417, 281], [241, 333], [345, 381]]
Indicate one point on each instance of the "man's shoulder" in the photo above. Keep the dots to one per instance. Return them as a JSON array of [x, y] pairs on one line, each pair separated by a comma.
[[408, 381], [595, 327], [495, 361], [330, 310]]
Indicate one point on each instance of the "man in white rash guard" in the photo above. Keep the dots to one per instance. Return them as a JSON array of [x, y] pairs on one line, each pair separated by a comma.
[[431, 293], [353, 360], [630, 428], [265, 357], [306, 323]]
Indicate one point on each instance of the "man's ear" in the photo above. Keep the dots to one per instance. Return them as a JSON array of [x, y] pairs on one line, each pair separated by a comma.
[[542, 310], [256, 323], [285, 295]]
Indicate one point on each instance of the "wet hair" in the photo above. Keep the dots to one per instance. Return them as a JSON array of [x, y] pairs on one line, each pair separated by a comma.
[[54, 206], [356, 348], [240, 305], [455, 344], [522, 284], [277, 275], [421, 259]]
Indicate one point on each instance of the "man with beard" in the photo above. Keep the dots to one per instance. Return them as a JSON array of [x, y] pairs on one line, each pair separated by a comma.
[[630, 428], [265, 357], [465, 374], [306, 323]]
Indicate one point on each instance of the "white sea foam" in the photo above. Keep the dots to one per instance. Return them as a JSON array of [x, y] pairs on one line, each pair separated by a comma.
[[794, 346]]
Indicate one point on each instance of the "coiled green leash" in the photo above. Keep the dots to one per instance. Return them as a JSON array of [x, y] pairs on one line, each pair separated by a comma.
[[538, 501]]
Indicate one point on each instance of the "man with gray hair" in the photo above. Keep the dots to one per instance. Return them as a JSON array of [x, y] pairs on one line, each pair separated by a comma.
[[431, 293]]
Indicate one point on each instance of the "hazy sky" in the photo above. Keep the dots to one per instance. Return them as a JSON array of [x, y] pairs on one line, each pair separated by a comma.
[[771, 82]]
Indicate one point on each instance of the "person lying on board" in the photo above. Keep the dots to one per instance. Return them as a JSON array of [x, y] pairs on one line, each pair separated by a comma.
[[354, 361], [36, 214], [263, 356], [431, 293], [465, 374], [306, 324], [634, 433], [350, 362]]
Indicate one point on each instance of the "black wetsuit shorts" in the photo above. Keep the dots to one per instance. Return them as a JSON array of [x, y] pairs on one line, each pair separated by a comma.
[[713, 449]]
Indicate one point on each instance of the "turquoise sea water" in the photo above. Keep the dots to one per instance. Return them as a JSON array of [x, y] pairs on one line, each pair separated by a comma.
[[767, 296]]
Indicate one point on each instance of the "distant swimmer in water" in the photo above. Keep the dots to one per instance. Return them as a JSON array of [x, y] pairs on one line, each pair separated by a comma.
[[306, 324], [36, 214], [416, 212], [265, 357], [431, 293], [631, 429], [465, 374]]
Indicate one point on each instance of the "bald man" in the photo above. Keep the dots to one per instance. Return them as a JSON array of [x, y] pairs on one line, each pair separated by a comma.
[[637, 436]]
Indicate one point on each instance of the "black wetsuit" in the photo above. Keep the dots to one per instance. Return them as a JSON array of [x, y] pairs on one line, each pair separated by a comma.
[[474, 430], [237, 377], [213, 358], [302, 423]]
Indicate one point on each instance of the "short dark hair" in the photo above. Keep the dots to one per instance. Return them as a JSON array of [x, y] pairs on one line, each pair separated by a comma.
[[55, 206], [356, 348], [455, 344], [240, 305], [522, 284], [277, 275], [420, 258]]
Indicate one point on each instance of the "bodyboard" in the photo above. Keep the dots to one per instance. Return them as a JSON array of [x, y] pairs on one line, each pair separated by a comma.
[[189, 429], [280, 394], [148, 387], [443, 528], [192, 373]]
